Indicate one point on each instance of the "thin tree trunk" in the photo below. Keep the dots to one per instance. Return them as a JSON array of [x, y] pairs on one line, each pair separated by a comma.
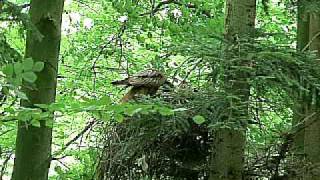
[[33, 144], [229, 143]]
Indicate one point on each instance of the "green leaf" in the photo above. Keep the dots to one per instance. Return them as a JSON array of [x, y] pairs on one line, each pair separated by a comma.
[[27, 64], [58, 170], [35, 123], [18, 68], [180, 109], [90, 108], [57, 107], [198, 119], [140, 38], [8, 70], [165, 111], [38, 66], [22, 95], [42, 106], [49, 122], [105, 117], [24, 116], [29, 77], [17, 81], [105, 100], [119, 118], [132, 111], [36, 116]]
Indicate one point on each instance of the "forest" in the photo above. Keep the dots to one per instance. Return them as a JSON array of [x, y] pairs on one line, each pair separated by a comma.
[[159, 90]]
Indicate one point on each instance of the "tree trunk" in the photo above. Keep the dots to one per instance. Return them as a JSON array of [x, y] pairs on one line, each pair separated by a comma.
[[227, 160], [312, 130], [33, 144], [301, 105]]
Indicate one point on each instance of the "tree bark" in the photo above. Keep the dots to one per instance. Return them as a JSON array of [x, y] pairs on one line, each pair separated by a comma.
[[301, 106], [33, 144], [227, 160], [312, 131]]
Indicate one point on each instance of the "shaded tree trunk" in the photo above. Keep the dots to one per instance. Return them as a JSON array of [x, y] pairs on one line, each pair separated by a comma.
[[301, 104], [227, 160], [33, 144], [312, 131]]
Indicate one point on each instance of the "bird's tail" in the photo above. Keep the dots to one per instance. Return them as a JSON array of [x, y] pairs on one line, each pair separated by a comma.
[[120, 82]]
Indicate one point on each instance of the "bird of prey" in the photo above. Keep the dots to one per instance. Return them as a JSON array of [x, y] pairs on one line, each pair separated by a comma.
[[143, 83]]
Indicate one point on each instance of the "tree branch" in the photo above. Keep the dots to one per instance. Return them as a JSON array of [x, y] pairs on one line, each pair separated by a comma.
[[158, 7], [88, 126]]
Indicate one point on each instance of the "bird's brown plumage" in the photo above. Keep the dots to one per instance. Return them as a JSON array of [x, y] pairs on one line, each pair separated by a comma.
[[146, 83]]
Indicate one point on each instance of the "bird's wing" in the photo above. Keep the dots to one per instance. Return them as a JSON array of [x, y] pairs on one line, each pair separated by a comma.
[[121, 82], [147, 78]]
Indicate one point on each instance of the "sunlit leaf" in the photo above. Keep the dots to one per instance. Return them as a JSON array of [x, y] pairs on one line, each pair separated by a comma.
[[8, 70], [118, 117], [18, 68], [165, 111], [27, 64], [38, 66], [21, 95], [29, 77], [198, 119]]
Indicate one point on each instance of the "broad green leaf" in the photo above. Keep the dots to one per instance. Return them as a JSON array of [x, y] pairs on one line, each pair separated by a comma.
[[36, 116], [57, 107], [46, 115], [18, 68], [29, 77], [35, 123], [8, 70], [75, 106], [21, 95], [118, 108], [24, 116], [17, 81], [49, 122], [27, 64], [105, 100], [90, 108], [132, 110], [119, 118], [42, 106], [165, 111], [38, 66], [105, 117], [198, 119], [140, 38], [180, 109]]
